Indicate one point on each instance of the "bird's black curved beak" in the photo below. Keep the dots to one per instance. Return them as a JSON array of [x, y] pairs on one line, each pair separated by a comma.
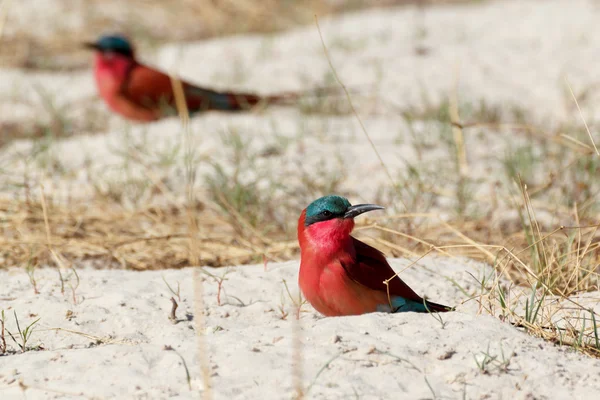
[[91, 46], [358, 209]]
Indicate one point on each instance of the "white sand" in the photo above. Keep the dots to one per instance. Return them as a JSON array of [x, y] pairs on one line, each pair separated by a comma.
[[250, 347], [507, 53]]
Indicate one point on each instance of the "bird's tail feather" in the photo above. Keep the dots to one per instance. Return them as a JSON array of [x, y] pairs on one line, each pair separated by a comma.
[[400, 304], [435, 307], [202, 99]]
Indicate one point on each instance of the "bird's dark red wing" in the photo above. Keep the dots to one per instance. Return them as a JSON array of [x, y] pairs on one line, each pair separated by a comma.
[[371, 268], [148, 88]]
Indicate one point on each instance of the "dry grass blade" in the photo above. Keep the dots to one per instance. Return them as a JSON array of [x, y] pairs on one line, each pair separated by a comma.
[[297, 359], [581, 115], [387, 281], [193, 229], [577, 142], [96, 339], [459, 138], [57, 259]]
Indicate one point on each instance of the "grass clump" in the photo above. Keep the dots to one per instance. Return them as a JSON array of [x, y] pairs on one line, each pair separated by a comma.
[[22, 336]]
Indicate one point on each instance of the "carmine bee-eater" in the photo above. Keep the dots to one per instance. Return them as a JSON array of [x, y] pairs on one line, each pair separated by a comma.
[[143, 94], [340, 275]]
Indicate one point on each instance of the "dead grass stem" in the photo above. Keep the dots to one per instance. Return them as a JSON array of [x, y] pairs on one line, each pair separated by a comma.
[[193, 230]]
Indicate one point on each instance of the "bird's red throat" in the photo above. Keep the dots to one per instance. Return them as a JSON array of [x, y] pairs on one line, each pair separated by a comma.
[[330, 236]]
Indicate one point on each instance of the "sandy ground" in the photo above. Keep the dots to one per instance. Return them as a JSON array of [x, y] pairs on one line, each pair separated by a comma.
[[250, 346], [507, 53]]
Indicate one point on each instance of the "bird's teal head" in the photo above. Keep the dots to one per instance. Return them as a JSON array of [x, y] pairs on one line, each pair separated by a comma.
[[331, 207], [112, 44]]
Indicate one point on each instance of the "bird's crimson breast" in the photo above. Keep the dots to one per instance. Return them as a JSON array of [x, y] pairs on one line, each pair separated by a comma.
[[332, 293]]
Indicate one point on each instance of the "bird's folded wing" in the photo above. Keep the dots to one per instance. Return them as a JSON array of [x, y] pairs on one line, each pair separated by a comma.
[[148, 88], [371, 269]]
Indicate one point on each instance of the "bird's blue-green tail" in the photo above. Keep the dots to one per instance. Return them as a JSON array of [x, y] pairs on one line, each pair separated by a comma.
[[400, 304], [226, 101]]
